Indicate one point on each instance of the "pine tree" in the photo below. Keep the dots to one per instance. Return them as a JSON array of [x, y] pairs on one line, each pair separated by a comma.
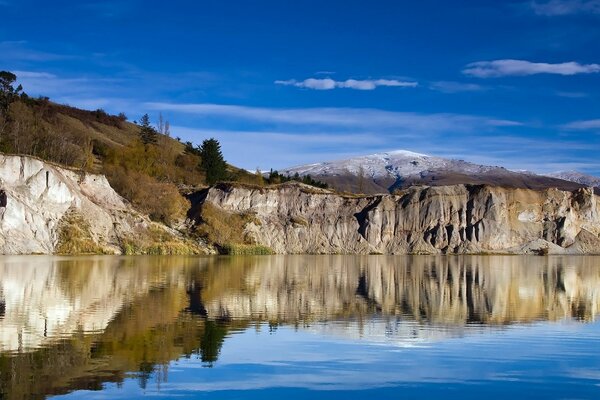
[[212, 163], [7, 92], [148, 134]]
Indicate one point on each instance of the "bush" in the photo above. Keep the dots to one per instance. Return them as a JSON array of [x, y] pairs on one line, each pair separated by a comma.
[[75, 237], [160, 200], [157, 241], [224, 228], [246, 250]]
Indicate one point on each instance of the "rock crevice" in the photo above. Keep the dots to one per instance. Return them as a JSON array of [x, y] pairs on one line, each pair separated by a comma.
[[422, 220]]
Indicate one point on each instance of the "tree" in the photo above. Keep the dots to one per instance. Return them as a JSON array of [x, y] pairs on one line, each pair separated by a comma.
[[260, 180], [164, 127], [212, 162], [7, 92], [147, 132]]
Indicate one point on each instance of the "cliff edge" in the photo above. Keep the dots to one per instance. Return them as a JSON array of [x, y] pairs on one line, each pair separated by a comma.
[[457, 219]]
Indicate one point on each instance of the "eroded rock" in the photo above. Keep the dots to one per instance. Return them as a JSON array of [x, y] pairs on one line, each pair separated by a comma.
[[422, 220]]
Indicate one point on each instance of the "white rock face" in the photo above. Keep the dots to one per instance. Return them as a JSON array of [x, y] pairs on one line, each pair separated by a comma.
[[295, 218], [38, 195]]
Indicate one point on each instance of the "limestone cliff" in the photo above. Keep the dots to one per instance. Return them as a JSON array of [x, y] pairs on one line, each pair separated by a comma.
[[46, 209], [294, 218]]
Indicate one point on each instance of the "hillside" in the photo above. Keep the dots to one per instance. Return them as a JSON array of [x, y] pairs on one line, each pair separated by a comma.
[[400, 169], [154, 177]]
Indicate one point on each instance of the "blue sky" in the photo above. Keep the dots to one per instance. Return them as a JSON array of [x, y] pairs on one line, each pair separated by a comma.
[[512, 83]]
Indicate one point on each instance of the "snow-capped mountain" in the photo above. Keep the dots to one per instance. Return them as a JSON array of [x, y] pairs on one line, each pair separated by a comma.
[[391, 164], [574, 176], [382, 172]]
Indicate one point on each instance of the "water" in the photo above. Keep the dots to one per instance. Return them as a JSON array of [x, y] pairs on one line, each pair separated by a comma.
[[300, 327]]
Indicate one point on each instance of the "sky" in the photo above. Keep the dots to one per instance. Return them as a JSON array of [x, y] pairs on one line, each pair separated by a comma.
[[281, 83]]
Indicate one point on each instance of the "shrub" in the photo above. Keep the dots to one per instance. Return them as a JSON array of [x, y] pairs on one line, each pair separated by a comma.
[[75, 237], [223, 228], [157, 241], [246, 250], [160, 200]]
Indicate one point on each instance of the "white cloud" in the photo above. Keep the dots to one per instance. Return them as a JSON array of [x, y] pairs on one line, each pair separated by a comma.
[[498, 68], [455, 87], [340, 117], [34, 75], [591, 124], [329, 84], [58, 88], [566, 7]]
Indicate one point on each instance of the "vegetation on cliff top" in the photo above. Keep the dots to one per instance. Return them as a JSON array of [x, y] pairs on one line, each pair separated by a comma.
[[142, 162]]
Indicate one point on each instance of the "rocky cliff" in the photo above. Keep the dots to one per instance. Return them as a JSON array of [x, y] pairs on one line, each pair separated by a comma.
[[294, 218], [47, 209]]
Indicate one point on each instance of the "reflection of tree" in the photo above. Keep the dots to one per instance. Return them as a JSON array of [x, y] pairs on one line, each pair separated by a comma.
[[184, 307], [212, 341], [145, 372]]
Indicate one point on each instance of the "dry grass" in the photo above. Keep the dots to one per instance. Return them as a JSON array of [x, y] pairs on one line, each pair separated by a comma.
[[227, 231], [246, 250], [157, 241], [75, 237]]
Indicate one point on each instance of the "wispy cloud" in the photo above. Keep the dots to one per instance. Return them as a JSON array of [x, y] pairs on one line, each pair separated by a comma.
[[572, 95], [304, 135], [329, 84], [498, 68], [455, 87], [590, 124], [566, 7], [49, 84], [11, 51], [340, 117]]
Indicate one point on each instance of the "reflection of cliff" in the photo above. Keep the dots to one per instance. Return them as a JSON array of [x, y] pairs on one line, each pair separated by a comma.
[[99, 318], [52, 297], [133, 308], [441, 290]]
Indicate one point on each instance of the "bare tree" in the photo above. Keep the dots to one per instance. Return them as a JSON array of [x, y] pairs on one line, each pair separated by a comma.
[[164, 127]]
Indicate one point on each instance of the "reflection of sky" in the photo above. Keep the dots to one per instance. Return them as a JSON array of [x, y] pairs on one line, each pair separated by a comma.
[[545, 360]]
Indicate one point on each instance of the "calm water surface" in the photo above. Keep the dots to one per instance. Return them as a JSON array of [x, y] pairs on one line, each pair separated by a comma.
[[300, 327]]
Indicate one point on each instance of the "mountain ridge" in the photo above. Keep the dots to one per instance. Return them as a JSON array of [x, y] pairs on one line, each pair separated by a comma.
[[397, 169]]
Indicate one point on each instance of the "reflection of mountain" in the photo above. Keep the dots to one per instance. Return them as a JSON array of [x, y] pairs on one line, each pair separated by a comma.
[[100, 317]]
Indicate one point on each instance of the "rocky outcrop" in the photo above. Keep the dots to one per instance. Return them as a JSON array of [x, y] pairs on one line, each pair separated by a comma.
[[294, 218], [39, 202]]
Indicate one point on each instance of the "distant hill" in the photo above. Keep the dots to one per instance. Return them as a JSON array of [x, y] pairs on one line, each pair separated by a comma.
[[388, 171], [578, 177]]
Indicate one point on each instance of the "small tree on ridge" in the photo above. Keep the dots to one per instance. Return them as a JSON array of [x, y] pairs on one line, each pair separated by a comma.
[[213, 164], [148, 134]]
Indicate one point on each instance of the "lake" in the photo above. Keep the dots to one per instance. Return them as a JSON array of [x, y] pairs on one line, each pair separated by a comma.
[[317, 327]]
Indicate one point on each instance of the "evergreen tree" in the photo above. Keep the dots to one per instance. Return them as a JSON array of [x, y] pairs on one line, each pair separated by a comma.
[[7, 92], [148, 134], [212, 162]]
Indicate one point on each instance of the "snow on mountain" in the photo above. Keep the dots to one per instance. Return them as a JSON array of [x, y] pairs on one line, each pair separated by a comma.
[[578, 177], [391, 164]]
